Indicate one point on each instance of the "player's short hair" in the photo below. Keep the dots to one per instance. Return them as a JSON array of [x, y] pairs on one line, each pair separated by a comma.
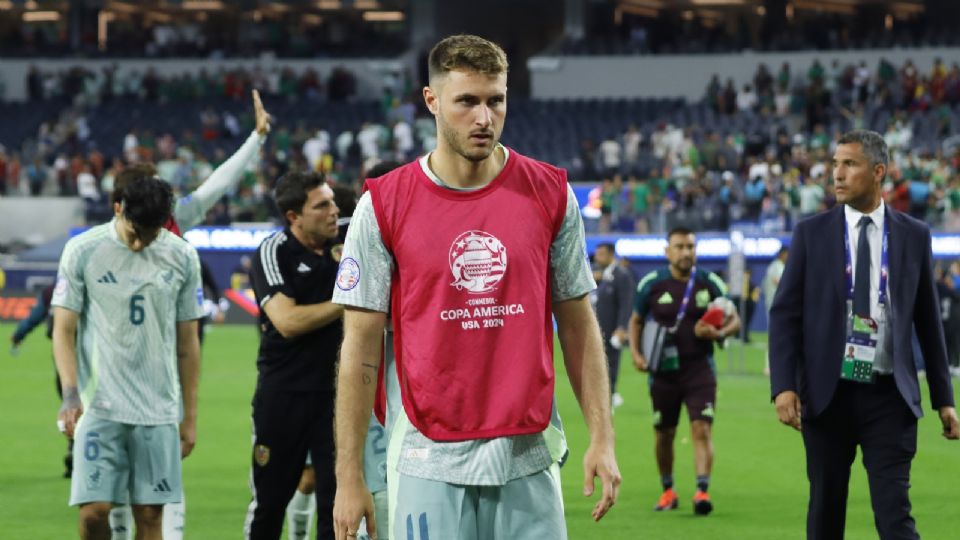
[[292, 188], [129, 174], [466, 52], [147, 203], [683, 231], [606, 245], [382, 168], [345, 197], [872, 144]]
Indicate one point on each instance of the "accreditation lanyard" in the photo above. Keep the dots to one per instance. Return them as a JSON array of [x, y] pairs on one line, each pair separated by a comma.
[[884, 262], [686, 300]]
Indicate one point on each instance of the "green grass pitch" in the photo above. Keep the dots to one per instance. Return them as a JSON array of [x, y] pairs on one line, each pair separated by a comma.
[[758, 485]]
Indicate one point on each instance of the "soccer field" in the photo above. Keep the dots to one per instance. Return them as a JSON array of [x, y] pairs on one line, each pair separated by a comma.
[[758, 485]]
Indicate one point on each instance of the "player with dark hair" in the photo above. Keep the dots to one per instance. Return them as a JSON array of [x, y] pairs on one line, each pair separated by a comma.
[[132, 363], [187, 213], [675, 298], [615, 288], [300, 329]]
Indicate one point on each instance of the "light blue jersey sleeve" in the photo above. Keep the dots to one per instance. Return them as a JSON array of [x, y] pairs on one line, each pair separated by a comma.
[[570, 275], [70, 289], [190, 296]]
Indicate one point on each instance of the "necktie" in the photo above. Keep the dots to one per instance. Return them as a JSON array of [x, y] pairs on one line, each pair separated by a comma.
[[861, 281]]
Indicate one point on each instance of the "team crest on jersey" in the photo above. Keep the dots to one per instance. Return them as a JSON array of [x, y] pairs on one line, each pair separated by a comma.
[[261, 454], [348, 275], [478, 261]]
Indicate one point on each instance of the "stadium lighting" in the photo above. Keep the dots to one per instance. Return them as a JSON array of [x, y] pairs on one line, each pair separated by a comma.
[[103, 20], [41, 16], [329, 4], [158, 16], [382, 16], [718, 2], [6, 4], [819, 5], [126, 8], [203, 5]]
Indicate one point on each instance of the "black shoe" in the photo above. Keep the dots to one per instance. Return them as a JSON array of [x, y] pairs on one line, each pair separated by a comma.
[[701, 503]]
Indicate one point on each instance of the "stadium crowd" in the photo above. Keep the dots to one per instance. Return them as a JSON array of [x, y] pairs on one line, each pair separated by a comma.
[[212, 37], [688, 33], [708, 178], [763, 161], [64, 157], [79, 85]]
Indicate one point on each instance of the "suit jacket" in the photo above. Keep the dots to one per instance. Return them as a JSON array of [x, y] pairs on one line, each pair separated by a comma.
[[615, 299], [808, 316]]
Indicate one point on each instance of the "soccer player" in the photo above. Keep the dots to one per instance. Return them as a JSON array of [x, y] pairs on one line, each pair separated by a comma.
[[676, 298], [188, 212], [293, 275], [472, 328], [125, 342]]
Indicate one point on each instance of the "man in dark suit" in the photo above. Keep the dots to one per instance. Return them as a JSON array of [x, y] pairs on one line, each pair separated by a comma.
[[615, 288], [862, 275]]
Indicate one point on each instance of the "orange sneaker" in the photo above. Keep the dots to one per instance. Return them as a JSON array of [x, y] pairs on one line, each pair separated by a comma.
[[668, 501], [701, 503]]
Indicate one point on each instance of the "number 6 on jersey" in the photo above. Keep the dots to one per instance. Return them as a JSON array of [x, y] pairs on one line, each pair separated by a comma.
[[137, 313]]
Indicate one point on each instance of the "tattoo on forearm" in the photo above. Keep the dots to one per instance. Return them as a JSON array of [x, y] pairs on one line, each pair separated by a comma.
[[366, 376]]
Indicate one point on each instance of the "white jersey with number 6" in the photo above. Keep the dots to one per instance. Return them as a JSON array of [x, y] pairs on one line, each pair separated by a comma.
[[129, 303]]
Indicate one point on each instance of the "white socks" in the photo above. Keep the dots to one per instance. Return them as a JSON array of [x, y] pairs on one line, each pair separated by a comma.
[[300, 514], [174, 518], [121, 523]]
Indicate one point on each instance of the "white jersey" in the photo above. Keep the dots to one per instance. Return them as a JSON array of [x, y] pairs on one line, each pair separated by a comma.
[[129, 304]]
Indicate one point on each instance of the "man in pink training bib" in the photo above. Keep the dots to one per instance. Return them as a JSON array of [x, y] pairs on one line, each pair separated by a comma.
[[476, 247]]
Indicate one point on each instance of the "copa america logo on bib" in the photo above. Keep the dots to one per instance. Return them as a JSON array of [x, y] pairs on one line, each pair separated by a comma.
[[478, 261]]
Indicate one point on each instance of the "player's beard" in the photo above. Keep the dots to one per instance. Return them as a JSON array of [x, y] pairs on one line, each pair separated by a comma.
[[683, 266], [461, 145]]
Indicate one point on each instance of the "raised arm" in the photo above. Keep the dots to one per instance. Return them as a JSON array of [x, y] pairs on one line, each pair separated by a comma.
[[190, 210]]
